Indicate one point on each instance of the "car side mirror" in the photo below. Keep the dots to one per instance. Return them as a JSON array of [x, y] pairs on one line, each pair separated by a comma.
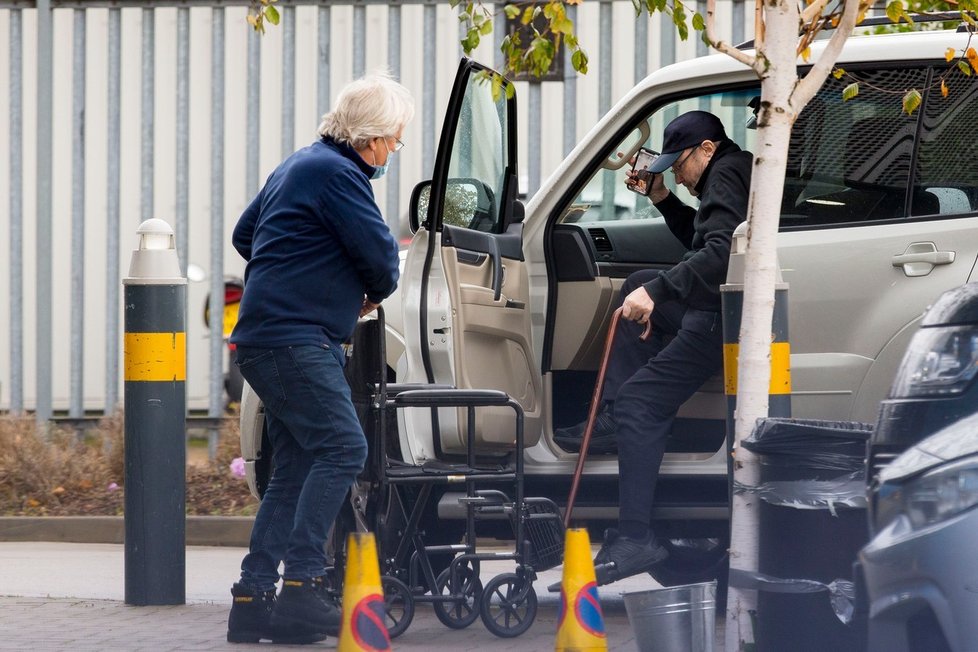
[[418, 211]]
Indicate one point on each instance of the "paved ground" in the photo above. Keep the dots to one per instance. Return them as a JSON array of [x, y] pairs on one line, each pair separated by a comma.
[[66, 596]]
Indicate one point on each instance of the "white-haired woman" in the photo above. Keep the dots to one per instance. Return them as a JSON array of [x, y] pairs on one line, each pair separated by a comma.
[[319, 255]]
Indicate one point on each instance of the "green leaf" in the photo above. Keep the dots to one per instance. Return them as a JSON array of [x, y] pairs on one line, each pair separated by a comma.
[[453, 3], [512, 11], [965, 68], [638, 7], [894, 10], [850, 91], [562, 26], [699, 24], [911, 101], [272, 14], [527, 15], [486, 28], [579, 61]]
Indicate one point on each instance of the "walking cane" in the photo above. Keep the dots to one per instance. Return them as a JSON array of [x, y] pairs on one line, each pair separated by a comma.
[[593, 413]]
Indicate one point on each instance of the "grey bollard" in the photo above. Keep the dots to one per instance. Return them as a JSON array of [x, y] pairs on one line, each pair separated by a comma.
[[155, 420]]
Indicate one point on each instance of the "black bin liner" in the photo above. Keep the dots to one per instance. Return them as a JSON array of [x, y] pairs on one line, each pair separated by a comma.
[[812, 525]]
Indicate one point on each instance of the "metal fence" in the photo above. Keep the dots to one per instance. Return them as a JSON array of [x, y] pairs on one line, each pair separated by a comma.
[[177, 110]]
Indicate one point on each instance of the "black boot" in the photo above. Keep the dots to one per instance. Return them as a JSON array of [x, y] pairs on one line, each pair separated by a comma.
[[604, 437], [304, 609], [250, 613]]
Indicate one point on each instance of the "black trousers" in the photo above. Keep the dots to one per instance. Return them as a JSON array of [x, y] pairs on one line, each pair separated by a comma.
[[648, 382]]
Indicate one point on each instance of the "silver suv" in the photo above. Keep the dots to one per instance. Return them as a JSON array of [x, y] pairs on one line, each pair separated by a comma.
[[880, 215]]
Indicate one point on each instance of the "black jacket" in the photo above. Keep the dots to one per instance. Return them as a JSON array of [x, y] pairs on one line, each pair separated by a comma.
[[707, 231]]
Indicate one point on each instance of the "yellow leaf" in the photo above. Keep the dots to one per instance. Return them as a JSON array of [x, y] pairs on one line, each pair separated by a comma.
[[806, 53], [943, 89], [32, 503], [971, 54], [949, 54]]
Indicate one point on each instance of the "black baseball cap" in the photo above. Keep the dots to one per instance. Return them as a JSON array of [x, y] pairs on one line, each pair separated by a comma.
[[688, 130]]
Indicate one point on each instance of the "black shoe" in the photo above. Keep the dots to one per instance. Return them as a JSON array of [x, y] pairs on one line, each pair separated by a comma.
[[604, 437], [250, 613], [304, 610], [621, 557]]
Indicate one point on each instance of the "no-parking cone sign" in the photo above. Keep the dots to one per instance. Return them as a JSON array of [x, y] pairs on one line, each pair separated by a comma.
[[580, 624], [363, 626]]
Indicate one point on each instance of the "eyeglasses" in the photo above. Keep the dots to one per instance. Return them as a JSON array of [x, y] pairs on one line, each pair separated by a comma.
[[678, 165], [399, 145]]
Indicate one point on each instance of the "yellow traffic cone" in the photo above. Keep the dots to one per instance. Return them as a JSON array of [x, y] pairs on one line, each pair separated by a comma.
[[363, 627], [580, 623]]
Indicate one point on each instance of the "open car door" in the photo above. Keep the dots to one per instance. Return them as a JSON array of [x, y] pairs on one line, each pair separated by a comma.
[[466, 294]]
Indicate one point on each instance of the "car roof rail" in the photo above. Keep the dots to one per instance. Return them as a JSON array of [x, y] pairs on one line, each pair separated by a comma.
[[871, 21]]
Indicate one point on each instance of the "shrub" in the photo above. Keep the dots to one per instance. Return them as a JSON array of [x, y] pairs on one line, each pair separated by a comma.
[[57, 472]]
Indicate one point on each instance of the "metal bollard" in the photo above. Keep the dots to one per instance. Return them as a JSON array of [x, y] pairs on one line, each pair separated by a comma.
[[155, 432], [732, 301]]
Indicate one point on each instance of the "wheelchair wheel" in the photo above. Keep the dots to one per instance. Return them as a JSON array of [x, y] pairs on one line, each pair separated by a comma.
[[467, 587], [398, 605], [508, 606]]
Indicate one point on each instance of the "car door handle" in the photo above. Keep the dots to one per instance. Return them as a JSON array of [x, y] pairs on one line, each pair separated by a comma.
[[921, 257]]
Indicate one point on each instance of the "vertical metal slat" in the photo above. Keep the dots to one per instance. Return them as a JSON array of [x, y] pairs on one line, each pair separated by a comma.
[[16, 154], [182, 190], [112, 277], [641, 46], [252, 141], [43, 239], [76, 396], [394, 63], [288, 81], [215, 406], [534, 150], [148, 113], [359, 40], [322, 69], [570, 92], [609, 181], [430, 74]]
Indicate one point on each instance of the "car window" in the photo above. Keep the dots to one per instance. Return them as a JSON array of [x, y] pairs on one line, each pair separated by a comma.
[[849, 161], [604, 197], [946, 180], [477, 168]]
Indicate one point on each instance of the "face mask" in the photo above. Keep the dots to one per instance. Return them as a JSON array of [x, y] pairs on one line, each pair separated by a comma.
[[381, 170]]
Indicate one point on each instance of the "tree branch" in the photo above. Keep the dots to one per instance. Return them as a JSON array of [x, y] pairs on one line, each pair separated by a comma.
[[809, 85], [721, 46], [813, 11]]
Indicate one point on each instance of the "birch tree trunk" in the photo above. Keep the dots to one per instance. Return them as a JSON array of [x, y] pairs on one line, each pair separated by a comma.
[[783, 96], [777, 59]]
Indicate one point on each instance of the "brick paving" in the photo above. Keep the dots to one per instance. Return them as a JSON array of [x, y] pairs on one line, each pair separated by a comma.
[[63, 596]]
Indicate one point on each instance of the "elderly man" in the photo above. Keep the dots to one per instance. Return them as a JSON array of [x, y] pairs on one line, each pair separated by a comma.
[[647, 382]]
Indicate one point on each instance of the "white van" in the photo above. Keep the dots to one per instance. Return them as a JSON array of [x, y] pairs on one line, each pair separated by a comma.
[[879, 217]]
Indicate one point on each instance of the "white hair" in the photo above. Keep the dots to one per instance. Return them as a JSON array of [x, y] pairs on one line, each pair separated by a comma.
[[374, 106]]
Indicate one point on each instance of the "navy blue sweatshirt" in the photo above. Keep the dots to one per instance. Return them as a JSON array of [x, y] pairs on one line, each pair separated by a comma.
[[315, 243], [706, 232]]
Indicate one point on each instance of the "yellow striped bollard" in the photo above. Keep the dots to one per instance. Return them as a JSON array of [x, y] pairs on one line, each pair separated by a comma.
[[155, 416]]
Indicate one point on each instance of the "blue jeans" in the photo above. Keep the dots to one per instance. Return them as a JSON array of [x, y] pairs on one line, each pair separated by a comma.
[[319, 448], [648, 382]]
